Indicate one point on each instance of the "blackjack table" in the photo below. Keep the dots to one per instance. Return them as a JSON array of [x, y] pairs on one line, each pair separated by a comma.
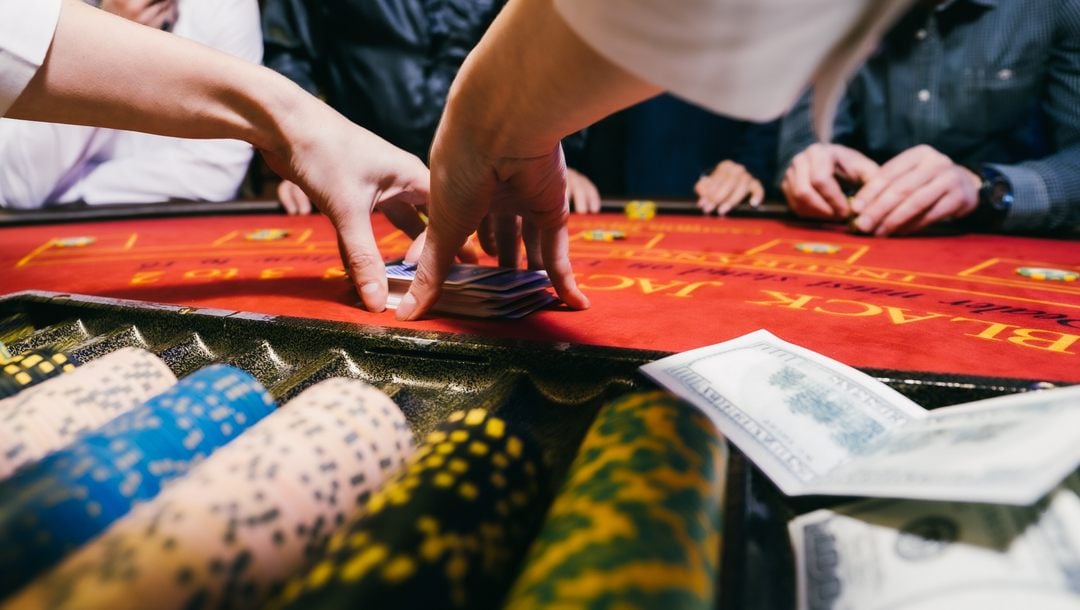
[[945, 317]]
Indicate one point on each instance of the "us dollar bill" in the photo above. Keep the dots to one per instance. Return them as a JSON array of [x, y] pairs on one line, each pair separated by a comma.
[[816, 426], [914, 555]]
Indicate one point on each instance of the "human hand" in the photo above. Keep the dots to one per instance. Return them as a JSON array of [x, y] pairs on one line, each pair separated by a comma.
[[157, 14], [582, 193], [810, 184], [348, 172], [728, 185], [915, 189], [470, 190], [293, 199]]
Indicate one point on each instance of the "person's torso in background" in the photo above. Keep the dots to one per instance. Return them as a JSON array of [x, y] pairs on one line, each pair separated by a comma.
[[389, 64], [965, 79]]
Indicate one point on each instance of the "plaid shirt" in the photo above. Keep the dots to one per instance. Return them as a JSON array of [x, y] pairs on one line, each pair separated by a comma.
[[991, 83]]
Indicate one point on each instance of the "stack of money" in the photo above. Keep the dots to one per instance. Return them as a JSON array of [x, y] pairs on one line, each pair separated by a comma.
[[901, 554], [974, 511], [815, 426], [479, 292]]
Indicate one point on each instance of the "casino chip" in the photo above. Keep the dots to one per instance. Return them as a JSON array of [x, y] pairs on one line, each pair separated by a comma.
[[817, 248], [267, 235], [232, 531], [73, 242], [29, 369], [13, 328], [449, 531], [640, 210], [50, 415], [638, 522], [70, 496], [603, 235], [1048, 275]]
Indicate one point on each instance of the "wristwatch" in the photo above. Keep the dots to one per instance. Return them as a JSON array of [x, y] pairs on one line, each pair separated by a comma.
[[995, 200]]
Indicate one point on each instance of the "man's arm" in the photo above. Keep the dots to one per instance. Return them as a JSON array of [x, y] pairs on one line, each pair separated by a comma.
[[107, 72], [1046, 192], [497, 148]]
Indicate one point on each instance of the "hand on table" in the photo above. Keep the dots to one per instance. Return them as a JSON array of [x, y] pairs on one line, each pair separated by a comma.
[[728, 185], [347, 172], [811, 186], [157, 14], [469, 190], [915, 189], [582, 193]]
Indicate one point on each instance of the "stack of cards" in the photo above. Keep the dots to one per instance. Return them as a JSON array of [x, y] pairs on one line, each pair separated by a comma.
[[479, 292]]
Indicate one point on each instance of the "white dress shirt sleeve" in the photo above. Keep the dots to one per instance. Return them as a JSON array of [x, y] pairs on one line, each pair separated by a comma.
[[26, 31], [142, 168], [749, 59]]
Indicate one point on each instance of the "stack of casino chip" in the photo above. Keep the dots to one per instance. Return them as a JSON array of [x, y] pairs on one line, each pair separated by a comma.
[[13, 328], [448, 532], [637, 522], [32, 368], [231, 532], [50, 415], [49, 508]]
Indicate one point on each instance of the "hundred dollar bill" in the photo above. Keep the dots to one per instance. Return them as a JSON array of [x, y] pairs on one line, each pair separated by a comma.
[[913, 555], [816, 426]]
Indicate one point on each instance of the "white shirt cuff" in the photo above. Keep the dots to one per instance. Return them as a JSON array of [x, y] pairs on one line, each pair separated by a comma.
[[26, 32]]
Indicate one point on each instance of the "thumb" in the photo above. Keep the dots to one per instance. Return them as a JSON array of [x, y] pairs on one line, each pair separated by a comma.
[[438, 254]]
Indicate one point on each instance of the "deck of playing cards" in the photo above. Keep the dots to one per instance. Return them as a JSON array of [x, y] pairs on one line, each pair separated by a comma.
[[479, 292]]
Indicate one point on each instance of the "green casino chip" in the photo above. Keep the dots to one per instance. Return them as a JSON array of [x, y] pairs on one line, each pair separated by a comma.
[[1047, 274], [13, 328], [74, 242], [638, 522], [603, 235]]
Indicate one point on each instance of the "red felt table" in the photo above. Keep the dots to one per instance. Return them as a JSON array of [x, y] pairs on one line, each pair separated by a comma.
[[944, 304]]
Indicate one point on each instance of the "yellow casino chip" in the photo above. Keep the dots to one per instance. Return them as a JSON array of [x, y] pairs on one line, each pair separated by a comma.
[[640, 210], [267, 235]]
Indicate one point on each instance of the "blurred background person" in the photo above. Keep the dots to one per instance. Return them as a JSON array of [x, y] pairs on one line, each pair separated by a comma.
[[968, 110], [665, 148], [385, 65], [45, 163]]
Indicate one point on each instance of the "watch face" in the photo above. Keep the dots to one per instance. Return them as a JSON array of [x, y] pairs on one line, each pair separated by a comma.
[[996, 193]]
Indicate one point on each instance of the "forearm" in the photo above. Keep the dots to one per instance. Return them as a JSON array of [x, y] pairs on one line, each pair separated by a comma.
[[566, 85], [99, 72]]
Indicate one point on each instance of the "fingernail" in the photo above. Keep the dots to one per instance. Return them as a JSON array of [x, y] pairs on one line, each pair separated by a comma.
[[406, 307], [863, 224], [370, 294], [755, 202]]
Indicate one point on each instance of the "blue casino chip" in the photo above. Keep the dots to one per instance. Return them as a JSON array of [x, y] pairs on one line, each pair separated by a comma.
[[55, 505]]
